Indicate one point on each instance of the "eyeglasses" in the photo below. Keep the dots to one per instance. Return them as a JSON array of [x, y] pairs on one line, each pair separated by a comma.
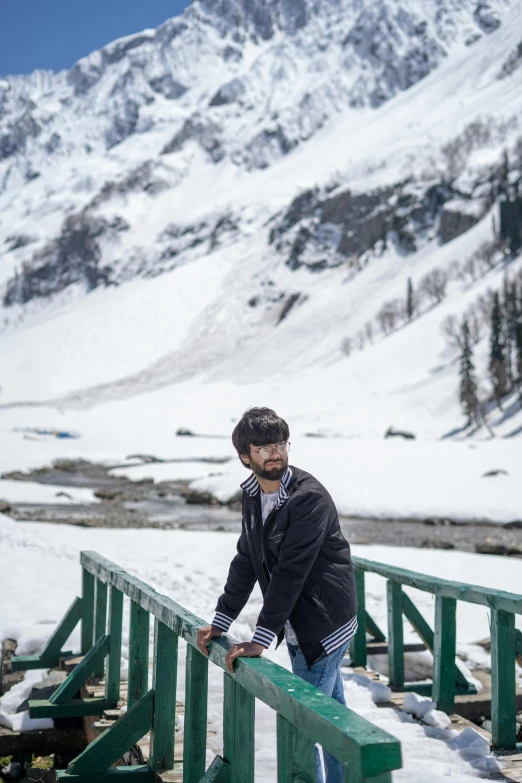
[[266, 451]]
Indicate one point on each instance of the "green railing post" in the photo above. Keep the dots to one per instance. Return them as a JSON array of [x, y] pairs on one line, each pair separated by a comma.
[[503, 682], [295, 754], [164, 679], [195, 725], [238, 731], [358, 645], [444, 653], [138, 653], [395, 634], [112, 677], [100, 622], [87, 611]]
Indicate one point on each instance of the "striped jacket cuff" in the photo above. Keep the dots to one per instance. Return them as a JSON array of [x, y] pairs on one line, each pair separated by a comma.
[[222, 621], [263, 636]]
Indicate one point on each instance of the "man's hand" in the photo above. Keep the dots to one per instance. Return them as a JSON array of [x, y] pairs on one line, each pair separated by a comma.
[[243, 650], [205, 634]]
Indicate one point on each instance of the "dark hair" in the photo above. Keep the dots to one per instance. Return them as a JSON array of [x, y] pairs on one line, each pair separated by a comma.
[[259, 426]]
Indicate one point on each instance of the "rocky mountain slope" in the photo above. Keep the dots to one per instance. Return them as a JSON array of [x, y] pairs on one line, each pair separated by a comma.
[[268, 163]]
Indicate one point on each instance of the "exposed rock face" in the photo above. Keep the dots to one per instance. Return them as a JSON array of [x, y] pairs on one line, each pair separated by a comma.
[[321, 230], [205, 133], [73, 257], [453, 223]]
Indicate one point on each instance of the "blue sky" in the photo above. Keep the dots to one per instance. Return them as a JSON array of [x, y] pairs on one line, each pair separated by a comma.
[[53, 34]]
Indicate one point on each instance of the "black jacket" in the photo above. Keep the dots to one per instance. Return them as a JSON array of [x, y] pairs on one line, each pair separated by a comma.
[[302, 563]]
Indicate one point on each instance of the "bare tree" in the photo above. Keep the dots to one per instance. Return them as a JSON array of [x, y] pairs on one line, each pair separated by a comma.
[[388, 315], [347, 346], [361, 339], [451, 328], [434, 284], [368, 330]]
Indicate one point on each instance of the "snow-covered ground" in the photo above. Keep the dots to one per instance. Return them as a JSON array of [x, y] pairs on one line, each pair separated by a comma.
[[191, 567]]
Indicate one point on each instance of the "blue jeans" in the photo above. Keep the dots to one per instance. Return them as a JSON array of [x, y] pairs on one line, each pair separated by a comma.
[[325, 675]]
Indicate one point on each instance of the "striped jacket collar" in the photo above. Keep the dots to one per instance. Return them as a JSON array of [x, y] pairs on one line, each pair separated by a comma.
[[253, 487]]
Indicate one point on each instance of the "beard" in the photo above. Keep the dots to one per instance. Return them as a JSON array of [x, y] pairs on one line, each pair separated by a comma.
[[274, 473]]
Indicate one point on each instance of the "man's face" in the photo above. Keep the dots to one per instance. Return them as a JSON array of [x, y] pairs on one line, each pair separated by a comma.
[[270, 468]]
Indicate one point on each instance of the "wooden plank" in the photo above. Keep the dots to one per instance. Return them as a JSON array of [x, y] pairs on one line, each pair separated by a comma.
[[485, 596], [108, 747], [76, 708], [503, 682], [295, 755], [348, 736], [22, 663], [64, 629], [373, 629], [164, 677], [238, 731], [395, 634], [112, 680], [138, 653], [79, 675], [87, 611], [100, 622], [138, 773], [195, 723], [420, 625], [443, 691], [218, 772], [358, 644]]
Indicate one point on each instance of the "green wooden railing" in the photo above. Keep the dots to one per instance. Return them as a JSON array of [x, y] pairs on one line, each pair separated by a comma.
[[305, 716], [448, 679]]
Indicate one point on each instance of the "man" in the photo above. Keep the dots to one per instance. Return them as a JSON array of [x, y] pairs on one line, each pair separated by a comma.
[[291, 543]]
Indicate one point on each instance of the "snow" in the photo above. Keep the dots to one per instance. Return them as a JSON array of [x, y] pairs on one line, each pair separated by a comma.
[[191, 567], [175, 341], [32, 492]]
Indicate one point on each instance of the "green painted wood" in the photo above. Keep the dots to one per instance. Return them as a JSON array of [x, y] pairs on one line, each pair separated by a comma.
[[138, 653], [238, 731], [71, 686], [140, 774], [108, 747], [22, 663], [518, 646], [348, 736], [195, 723], [112, 677], [495, 599], [218, 772], [358, 643], [385, 778], [395, 634], [418, 622], [295, 755], [76, 708], [100, 620], [64, 629], [444, 653], [373, 629], [503, 683], [87, 611], [164, 678]]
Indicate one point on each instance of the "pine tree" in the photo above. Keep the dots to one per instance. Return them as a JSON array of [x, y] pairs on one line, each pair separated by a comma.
[[518, 342], [497, 358], [410, 300], [468, 384], [510, 314]]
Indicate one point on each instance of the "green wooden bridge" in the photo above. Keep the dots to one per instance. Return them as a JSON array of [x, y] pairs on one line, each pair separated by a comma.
[[305, 716]]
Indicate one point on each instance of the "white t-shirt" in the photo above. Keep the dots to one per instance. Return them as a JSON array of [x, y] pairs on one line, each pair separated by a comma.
[[268, 503]]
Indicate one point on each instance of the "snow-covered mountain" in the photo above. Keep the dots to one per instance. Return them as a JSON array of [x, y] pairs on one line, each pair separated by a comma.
[[242, 192]]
